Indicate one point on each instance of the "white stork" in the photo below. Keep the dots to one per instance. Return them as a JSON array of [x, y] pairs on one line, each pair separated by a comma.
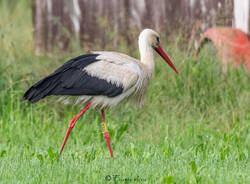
[[102, 79]]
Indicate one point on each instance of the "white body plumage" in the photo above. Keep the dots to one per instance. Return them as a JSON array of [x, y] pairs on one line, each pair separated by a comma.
[[123, 71]]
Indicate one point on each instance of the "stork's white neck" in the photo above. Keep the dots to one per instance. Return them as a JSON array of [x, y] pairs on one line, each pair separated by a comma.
[[146, 52]]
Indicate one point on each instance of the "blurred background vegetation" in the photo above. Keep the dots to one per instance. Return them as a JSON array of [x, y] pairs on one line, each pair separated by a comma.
[[194, 127]]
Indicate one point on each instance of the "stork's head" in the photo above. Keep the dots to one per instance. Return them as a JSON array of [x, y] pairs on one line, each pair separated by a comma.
[[152, 38]]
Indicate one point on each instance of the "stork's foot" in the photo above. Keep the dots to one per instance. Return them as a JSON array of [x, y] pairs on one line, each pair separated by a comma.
[[106, 134]]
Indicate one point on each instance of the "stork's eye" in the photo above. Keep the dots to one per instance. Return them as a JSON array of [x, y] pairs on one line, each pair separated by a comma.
[[158, 39]]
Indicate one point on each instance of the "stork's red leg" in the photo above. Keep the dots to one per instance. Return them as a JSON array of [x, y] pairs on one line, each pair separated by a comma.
[[72, 124], [105, 134]]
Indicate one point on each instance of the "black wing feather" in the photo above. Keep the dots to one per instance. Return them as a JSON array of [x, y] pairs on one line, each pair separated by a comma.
[[70, 79]]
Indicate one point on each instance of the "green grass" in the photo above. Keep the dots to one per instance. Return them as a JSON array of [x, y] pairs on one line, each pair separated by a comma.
[[194, 127]]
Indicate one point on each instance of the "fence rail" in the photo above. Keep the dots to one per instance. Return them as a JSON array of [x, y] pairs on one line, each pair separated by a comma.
[[56, 22]]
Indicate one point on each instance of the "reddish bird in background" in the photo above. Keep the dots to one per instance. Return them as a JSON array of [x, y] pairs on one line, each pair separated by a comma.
[[102, 79]]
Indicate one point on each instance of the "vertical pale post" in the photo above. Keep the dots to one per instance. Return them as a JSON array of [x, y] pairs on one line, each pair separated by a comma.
[[241, 15]]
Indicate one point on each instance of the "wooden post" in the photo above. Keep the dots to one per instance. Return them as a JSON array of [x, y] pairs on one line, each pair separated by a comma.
[[241, 15]]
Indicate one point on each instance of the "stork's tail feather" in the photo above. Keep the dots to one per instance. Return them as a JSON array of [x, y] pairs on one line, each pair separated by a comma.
[[41, 89]]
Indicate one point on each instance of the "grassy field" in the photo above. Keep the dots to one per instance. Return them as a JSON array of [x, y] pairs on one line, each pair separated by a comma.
[[194, 127]]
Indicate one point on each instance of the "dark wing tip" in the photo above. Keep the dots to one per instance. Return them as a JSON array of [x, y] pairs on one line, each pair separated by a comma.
[[46, 86]]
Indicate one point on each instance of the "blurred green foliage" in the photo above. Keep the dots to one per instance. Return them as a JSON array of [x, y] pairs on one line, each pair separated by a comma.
[[194, 127]]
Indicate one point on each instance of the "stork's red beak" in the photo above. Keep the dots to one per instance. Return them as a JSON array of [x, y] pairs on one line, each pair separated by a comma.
[[165, 57]]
